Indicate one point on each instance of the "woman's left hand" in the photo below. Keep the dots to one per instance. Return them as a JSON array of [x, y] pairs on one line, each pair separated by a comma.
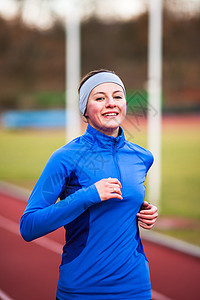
[[147, 215]]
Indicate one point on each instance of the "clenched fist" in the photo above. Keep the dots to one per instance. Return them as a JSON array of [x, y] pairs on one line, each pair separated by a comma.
[[148, 215], [109, 188]]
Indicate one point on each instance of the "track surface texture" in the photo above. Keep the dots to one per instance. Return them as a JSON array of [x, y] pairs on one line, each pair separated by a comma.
[[30, 270]]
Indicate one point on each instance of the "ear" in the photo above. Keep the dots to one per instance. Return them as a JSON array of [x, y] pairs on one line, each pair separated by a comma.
[[84, 118]]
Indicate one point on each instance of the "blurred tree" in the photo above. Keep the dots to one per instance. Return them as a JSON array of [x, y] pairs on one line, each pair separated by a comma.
[[32, 60]]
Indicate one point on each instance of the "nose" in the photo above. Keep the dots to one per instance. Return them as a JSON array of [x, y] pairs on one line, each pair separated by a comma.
[[110, 102]]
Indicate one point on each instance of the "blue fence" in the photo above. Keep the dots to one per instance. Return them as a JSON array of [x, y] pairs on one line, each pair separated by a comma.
[[34, 119]]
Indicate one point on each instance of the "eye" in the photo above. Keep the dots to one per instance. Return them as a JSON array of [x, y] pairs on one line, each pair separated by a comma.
[[99, 98], [117, 97]]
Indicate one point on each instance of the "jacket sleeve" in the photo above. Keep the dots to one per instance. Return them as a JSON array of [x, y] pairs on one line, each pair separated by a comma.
[[43, 214], [149, 160]]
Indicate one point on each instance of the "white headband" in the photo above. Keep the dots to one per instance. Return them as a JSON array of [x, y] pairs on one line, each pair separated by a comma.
[[92, 82]]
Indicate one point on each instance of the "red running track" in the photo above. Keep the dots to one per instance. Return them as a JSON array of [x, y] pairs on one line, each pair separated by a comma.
[[29, 271]]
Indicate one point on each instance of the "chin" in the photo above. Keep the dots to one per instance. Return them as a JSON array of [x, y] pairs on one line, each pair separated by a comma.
[[112, 122]]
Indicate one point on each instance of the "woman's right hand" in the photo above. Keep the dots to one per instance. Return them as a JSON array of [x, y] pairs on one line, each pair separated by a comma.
[[109, 188]]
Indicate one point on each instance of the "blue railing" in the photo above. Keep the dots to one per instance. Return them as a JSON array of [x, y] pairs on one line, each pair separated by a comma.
[[34, 119]]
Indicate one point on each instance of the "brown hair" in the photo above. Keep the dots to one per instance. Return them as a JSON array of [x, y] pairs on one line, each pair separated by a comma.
[[90, 74]]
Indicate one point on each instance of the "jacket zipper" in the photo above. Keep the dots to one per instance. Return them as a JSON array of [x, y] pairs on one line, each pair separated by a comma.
[[116, 162]]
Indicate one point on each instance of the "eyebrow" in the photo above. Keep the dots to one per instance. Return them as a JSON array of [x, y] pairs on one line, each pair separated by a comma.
[[105, 93]]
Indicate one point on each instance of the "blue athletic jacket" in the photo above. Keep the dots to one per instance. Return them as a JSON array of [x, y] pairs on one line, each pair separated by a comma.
[[103, 257]]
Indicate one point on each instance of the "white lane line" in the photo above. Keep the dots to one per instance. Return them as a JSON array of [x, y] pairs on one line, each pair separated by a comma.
[[171, 243], [158, 296], [52, 246], [4, 296], [43, 241], [12, 190]]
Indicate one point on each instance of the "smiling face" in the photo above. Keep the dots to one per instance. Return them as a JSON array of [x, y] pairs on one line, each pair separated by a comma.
[[106, 108]]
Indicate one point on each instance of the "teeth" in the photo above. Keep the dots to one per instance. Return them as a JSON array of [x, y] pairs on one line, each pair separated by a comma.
[[110, 114]]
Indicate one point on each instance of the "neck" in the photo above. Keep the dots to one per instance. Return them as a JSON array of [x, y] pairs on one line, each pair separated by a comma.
[[108, 131]]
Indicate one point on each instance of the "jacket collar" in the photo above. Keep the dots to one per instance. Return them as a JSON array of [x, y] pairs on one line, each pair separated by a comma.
[[93, 136]]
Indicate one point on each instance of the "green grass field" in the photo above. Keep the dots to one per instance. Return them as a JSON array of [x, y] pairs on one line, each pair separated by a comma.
[[23, 154]]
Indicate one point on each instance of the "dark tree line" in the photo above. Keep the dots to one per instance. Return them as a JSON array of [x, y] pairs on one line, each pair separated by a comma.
[[32, 61]]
